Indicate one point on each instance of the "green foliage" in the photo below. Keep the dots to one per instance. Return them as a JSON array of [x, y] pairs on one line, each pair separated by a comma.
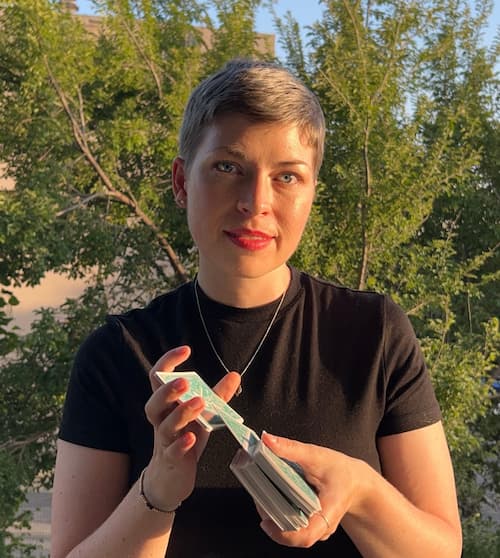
[[11, 482], [407, 201], [34, 377], [88, 129], [8, 337], [234, 32], [481, 539]]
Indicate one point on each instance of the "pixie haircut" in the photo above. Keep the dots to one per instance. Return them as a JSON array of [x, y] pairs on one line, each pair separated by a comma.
[[259, 91]]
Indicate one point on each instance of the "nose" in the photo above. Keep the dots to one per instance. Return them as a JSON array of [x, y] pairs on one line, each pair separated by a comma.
[[255, 195]]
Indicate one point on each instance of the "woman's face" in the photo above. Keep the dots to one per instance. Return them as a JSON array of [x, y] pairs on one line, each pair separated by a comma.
[[248, 192]]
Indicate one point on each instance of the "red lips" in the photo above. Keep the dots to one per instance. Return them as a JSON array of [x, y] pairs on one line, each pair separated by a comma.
[[249, 239]]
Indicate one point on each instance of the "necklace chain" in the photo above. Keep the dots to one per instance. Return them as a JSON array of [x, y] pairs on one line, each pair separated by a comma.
[[261, 342]]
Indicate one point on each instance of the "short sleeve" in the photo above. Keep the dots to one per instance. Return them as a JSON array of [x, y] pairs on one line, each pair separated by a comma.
[[410, 401], [92, 412]]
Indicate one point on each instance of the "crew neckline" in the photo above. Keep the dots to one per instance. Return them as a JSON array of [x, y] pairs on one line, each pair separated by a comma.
[[215, 309]]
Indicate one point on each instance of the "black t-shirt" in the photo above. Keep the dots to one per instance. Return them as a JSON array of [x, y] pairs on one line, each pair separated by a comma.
[[339, 368]]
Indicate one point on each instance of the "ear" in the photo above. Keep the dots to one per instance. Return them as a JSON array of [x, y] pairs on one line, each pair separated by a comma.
[[179, 182]]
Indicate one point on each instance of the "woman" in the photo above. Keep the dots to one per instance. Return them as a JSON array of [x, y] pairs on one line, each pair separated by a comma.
[[337, 369]]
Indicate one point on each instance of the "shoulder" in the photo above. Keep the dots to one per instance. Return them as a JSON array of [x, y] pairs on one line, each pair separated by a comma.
[[343, 298], [139, 332], [155, 312], [367, 312]]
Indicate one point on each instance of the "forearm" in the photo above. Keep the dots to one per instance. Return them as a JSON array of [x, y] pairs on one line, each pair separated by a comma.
[[132, 530], [385, 524]]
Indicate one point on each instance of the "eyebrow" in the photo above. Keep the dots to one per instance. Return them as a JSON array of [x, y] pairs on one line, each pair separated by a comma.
[[294, 162], [232, 150], [236, 151]]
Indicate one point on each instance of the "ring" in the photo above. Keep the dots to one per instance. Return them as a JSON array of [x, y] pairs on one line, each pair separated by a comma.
[[326, 520]]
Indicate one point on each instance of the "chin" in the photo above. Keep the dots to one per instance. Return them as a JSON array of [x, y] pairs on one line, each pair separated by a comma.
[[256, 270]]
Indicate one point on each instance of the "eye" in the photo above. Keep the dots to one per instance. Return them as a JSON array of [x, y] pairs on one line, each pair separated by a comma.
[[225, 166], [288, 178]]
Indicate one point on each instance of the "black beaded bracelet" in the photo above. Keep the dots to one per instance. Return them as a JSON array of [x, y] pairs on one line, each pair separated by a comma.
[[149, 505]]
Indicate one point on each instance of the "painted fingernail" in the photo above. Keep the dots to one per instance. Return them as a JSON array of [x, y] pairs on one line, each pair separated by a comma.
[[187, 439], [178, 384], [195, 403]]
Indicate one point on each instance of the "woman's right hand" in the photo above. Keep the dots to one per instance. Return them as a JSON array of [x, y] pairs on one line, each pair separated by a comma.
[[178, 440]]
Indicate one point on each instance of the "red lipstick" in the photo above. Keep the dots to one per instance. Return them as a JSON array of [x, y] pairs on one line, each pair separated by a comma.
[[249, 239]]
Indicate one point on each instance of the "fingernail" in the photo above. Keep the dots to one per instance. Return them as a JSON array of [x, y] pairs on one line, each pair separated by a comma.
[[186, 439], [264, 525], [270, 437], [195, 403], [178, 384]]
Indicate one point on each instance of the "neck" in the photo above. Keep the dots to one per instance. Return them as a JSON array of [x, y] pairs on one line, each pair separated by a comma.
[[245, 292]]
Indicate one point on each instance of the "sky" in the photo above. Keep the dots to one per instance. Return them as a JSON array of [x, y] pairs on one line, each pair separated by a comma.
[[55, 289], [306, 12]]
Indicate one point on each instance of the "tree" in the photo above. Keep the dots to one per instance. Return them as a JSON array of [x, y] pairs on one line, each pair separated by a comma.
[[407, 202], [409, 199], [88, 131]]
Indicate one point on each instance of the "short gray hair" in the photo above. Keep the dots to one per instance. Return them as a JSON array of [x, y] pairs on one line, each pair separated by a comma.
[[259, 91]]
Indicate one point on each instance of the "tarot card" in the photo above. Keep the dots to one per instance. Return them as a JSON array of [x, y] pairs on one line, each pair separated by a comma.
[[283, 512], [216, 413], [276, 484], [287, 478]]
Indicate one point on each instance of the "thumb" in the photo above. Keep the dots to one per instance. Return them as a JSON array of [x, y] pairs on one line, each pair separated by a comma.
[[228, 386], [167, 363], [288, 449], [307, 456]]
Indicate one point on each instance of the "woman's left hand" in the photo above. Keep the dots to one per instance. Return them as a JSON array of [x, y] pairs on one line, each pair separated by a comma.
[[336, 478]]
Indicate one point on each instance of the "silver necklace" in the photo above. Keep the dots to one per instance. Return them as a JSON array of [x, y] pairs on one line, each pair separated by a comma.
[[261, 342]]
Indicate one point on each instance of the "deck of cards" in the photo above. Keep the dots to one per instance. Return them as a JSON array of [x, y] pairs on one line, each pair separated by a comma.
[[278, 486]]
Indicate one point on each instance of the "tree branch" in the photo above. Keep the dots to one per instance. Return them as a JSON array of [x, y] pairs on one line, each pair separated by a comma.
[[146, 59], [390, 66], [416, 308], [110, 191], [21, 443], [82, 202], [348, 7], [82, 114], [339, 92]]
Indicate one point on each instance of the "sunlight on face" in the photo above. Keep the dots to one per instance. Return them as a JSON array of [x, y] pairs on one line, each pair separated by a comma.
[[249, 191]]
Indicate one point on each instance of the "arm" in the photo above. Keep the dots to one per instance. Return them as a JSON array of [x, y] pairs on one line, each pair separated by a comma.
[[412, 512], [92, 512]]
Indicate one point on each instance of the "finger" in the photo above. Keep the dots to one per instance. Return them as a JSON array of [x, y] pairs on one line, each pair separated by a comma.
[[303, 538], [322, 523], [172, 426], [164, 400], [310, 458], [274, 532], [228, 385], [289, 449], [285, 538], [167, 363], [181, 446]]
